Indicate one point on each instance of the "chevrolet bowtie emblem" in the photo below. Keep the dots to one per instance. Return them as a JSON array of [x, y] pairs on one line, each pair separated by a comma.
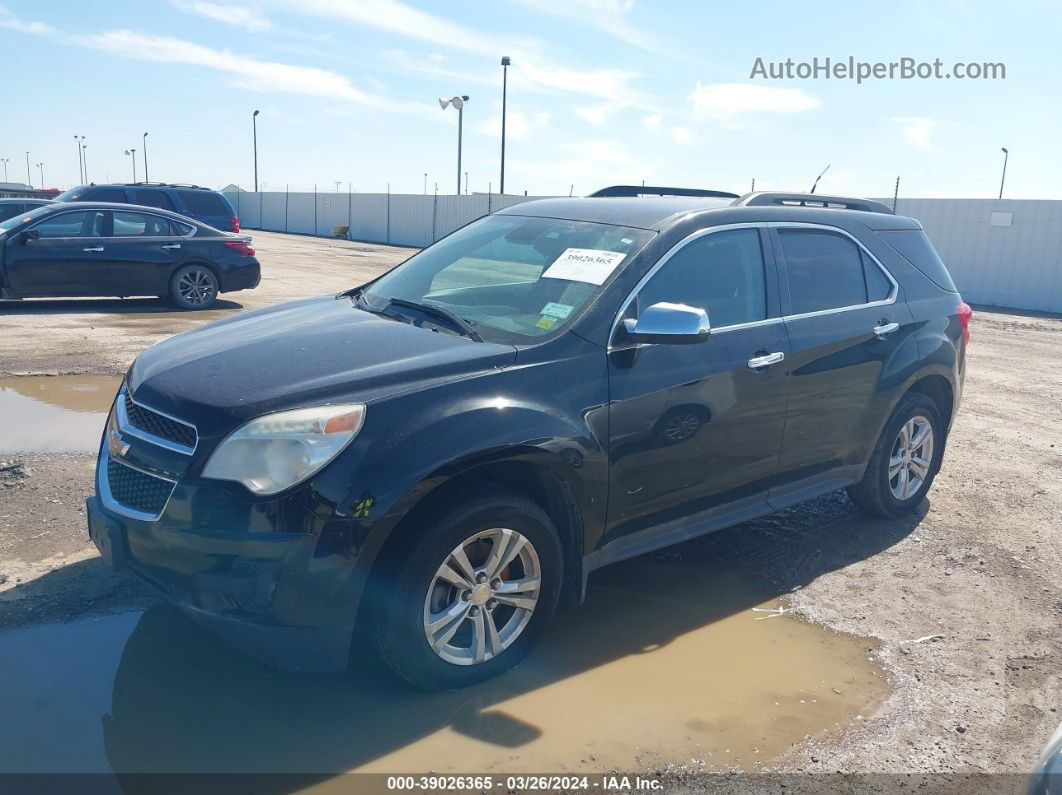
[[115, 446]]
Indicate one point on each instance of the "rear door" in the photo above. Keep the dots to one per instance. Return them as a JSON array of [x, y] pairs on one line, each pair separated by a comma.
[[694, 427], [844, 320], [66, 258], [142, 252]]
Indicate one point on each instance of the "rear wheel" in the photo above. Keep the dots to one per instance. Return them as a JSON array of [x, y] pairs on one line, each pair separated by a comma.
[[470, 598], [905, 460], [193, 287]]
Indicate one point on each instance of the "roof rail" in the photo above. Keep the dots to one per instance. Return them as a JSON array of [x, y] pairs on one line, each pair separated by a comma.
[[166, 185], [646, 190], [818, 200]]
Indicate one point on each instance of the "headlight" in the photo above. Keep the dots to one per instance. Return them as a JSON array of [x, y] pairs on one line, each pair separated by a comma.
[[271, 453]]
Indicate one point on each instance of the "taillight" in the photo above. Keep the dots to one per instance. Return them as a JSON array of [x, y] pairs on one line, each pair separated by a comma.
[[241, 246], [235, 223], [965, 313]]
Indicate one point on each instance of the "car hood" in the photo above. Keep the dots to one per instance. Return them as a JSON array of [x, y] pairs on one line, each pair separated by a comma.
[[303, 353]]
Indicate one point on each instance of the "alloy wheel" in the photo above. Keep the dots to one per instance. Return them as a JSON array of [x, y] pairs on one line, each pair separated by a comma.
[[912, 455], [196, 286], [482, 596]]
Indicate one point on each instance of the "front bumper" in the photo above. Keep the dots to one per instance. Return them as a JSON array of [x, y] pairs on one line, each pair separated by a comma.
[[256, 592]]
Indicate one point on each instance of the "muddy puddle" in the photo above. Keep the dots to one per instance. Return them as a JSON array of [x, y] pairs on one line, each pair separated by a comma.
[[666, 662], [54, 414]]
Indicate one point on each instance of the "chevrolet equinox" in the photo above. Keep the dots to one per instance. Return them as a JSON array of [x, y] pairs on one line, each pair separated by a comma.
[[440, 455]]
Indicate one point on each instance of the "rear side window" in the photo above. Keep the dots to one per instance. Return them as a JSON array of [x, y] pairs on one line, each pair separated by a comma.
[[721, 273], [914, 246], [150, 197], [140, 225], [825, 270], [104, 195], [203, 202]]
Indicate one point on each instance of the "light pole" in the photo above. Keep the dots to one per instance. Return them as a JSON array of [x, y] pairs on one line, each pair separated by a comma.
[[145, 158], [466, 183], [459, 103], [425, 183], [132, 156], [5, 161], [29, 178], [254, 133], [84, 154], [80, 167], [1006, 155], [41, 167], [505, 61]]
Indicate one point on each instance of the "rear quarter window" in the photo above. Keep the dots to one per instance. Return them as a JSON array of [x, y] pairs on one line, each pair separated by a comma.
[[202, 202], [914, 246]]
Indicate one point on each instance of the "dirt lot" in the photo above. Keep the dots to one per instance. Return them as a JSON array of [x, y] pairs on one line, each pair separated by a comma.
[[960, 604]]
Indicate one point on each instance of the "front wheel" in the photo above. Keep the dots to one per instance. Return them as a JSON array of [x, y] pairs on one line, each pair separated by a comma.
[[905, 461], [472, 593], [193, 287]]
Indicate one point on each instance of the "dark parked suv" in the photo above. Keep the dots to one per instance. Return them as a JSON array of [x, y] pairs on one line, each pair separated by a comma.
[[203, 204], [441, 454]]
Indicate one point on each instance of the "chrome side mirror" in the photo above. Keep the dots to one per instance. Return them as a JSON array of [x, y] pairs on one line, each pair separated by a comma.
[[669, 324]]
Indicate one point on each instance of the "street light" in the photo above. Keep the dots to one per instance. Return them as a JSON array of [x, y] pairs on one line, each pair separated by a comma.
[[145, 158], [1006, 155], [80, 166], [425, 183], [84, 154], [459, 103], [132, 156], [29, 179], [254, 132], [5, 161], [505, 61], [41, 167]]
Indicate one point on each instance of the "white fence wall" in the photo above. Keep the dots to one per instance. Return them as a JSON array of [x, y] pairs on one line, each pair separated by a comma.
[[399, 219], [1004, 253]]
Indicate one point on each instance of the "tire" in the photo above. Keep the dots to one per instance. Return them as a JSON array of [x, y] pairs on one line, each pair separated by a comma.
[[888, 489], [193, 287], [416, 597]]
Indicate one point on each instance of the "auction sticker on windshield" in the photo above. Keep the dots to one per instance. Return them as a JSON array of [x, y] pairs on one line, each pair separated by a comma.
[[584, 265]]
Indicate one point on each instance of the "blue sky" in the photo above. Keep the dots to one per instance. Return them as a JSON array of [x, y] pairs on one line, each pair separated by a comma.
[[600, 92]]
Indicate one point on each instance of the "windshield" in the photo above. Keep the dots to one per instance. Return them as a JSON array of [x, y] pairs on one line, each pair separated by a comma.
[[512, 278], [22, 219]]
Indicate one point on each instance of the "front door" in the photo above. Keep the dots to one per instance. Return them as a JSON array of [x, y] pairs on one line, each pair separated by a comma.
[[695, 428], [65, 257]]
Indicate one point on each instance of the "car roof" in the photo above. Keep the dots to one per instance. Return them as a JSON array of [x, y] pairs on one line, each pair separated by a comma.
[[657, 213]]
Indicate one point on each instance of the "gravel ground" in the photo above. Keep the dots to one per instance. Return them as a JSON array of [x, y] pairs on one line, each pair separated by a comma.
[[963, 597]]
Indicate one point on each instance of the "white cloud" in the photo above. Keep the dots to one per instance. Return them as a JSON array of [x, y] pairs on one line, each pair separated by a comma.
[[727, 100], [245, 72], [916, 131], [594, 114], [591, 164], [686, 136], [246, 17], [608, 16], [653, 123], [518, 125]]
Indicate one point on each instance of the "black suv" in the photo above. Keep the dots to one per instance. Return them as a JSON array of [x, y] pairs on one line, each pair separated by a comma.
[[443, 453], [203, 204]]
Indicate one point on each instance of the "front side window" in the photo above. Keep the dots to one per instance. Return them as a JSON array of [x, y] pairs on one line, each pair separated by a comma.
[[87, 223], [513, 278], [140, 225], [721, 273], [825, 270]]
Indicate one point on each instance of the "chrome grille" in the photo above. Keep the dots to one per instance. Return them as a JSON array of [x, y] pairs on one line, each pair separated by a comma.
[[159, 425], [137, 490]]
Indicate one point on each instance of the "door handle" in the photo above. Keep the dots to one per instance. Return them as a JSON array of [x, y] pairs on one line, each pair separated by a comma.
[[883, 330], [756, 362], [172, 245], [94, 248]]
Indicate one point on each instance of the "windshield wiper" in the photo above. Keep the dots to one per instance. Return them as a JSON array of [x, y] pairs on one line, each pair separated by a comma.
[[438, 312]]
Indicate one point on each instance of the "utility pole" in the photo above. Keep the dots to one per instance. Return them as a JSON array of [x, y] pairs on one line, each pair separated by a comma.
[[29, 177], [753, 188], [84, 152], [466, 183], [1006, 155], [505, 61], [896, 194], [80, 163], [254, 133], [146, 179], [41, 167]]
